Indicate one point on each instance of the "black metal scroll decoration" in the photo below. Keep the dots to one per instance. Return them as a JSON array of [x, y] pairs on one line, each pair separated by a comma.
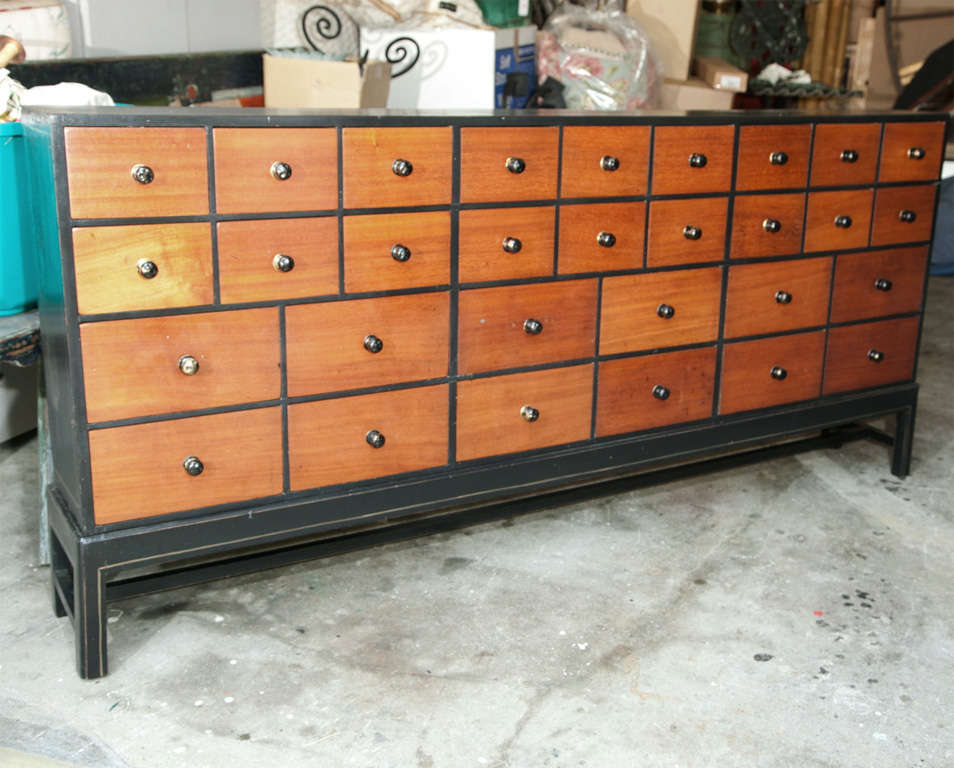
[[327, 25], [398, 51]]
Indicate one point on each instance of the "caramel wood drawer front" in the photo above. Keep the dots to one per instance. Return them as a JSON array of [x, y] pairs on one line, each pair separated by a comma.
[[686, 231], [903, 214], [911, 151], [506, 243], [655, 390], [134, 171], [141, 470], [499, 164], [878, 283], [523, 411], [665, 309], [269, 259], [605, 160], [773, 156], [394, 251], [845, 154], [767, 225], [366, 436], [601, 237], [773, 371], [871, 354], [692, 159], [838, 220], [156, 365], [775, 297], [366, 342], [150, 266]]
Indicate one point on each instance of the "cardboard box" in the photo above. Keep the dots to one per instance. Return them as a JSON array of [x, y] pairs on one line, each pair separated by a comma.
[[671, 28], [515, 56], [721, 75], [693, 94], [292, 81]]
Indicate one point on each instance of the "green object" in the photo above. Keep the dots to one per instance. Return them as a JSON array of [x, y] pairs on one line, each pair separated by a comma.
[[712, 29], [505, 13], [18, 271]]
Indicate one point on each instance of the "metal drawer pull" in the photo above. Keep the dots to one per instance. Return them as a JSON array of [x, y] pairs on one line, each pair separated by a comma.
[[883, 284], [402, 167], [188, 365], [143, 173], [771, 225], [916, 153], [849, 156], [606, 239], [691, 233], [516, 165], [280, 171], [147, 269], [907, 216], [529, 413], [665, 311], [843, 221], [400, 252], [697, 160], [512, 245], [875, 356], [375, 439], [283, 263], [783, 297], [660, 392], [609, 163], [778, 158], [778, 373], [373, 344], [533, 327], [193, 466]]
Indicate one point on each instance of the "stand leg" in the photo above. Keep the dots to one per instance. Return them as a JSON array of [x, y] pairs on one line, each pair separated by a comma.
[[89, 616], [903, 437], [61, 574]]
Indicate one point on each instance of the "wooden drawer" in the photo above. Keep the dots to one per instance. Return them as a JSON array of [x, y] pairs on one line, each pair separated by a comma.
[[767, 225], [911, 151], [871, 354], [838, 220], [269, 259], [139, 471], [249, 172], [601, 237], [845, 154], [773, 156], [372, 171], [330, 347], [498, 164], [782, 369], [635, 310], [131, 368], [775, 297], [686, 231], [100, 163], [393, 251], [506, 243], [605, 160], [878, 283], [523, 325], [692, 159], [655, 390], [330, 441], [110, 263], [903, 214], [523, 411]]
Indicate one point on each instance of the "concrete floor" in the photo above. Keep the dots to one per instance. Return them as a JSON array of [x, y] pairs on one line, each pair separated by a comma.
[[796, 612]]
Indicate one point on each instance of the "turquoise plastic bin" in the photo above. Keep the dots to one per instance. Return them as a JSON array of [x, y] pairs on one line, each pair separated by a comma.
[[18, 279]]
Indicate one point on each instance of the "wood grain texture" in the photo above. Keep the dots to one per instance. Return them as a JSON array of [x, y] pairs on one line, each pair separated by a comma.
[[821, 232], [137, 470], [673, 144], [489, 422], [480, 251], [107, 279], [847, 364], [483, 171], [580, 225], [831, 139], [99, 164], [625, 401], [491, 333], [327, 441], [889, 229], [747, 382], [247, 250], [325, 342], [750, 238], [896, 165], [243, 161], [855, 296], [369, 153], [630, 321], [668, 219], [584, 146], [754, 170]]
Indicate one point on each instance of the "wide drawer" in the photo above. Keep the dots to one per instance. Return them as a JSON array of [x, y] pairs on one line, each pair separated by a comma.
[[498, 164], [362, 343], [871, 354], [878, 283], [523, 411], [773, 156], [686, 231], [692, 159], [171, 466], [767, 225], [605, 160], [366, 436], [155, 365], [911, 151], [838, 220], [506, 243], [845, 154], [601, 237], [903, 214]]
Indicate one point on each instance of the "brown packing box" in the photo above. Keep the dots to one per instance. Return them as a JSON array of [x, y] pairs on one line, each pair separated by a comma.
[[693, 94], [718, 73], [303, 82]]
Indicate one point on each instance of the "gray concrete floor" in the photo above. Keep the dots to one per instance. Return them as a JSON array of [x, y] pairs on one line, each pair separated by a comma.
[[796, 612]]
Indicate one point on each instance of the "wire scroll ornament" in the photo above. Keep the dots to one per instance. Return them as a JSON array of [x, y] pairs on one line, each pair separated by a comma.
[[402, 53], [320, 23]]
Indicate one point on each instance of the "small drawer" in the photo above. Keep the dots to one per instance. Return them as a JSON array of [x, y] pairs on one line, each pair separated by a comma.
[[686, 231], [601, 237], [386, 167], [172, 466], [665, 309], [270, 259], [275, 169], [522, 325], [773, 156], [393, 251], [149, 266], [775, 297], [498, 164], [838, 220], [523, 411], [655, 390], [767, 225], [903, 214], [506, 243], [871, 354], [878, 283], [605, 160], [911, 151], [156, 365], [343, 345], [845, 154], [357, 438], [785, 369], [692, 159], [125, 172]]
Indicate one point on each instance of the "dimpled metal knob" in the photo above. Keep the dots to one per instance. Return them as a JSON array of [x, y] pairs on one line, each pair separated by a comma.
[[147, 269], [849, 156], [193, 466], [609, 163], [660, 392], [907, 216], [529, 413], [691, 233], [606, 239], [280, 171], [697, 160], [375, 439], [188, 365], [533, 327], [373, 344], [665, 311], [400, 252], [875, 356], [143, 174], [512, 244], [783, 297], [778, 373], [843, 221], [771, 225], [402, 167], [916, 153], [778, 158], [516, 165], [883, 284], [283, 263]]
